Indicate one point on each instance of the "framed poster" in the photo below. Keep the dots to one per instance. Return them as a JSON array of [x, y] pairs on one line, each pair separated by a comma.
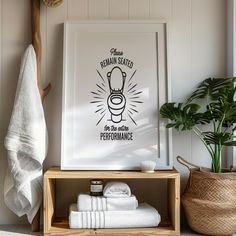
[[115, 80]]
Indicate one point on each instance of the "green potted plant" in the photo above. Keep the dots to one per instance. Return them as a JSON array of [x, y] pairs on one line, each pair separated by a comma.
[[210, 112]]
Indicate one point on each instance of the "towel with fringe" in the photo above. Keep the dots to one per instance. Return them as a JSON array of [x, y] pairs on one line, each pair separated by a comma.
[[26, 143], [144, 216], [91, 203]]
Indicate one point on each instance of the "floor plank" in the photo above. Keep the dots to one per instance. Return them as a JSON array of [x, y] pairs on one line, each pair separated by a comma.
[[24, 230]]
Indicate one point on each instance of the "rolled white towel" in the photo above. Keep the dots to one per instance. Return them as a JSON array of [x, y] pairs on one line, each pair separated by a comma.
[[86, 202], [144, 216], [116, 190]]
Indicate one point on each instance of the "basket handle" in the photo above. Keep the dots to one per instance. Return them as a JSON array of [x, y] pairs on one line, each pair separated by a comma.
[[187, 164]]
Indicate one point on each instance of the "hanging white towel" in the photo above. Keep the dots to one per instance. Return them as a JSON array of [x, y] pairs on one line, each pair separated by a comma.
[[26, 143], [86, 202], [144, 216]]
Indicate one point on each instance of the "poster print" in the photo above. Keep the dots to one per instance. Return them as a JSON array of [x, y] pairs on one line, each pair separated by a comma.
[[117, 95], [112, 100]]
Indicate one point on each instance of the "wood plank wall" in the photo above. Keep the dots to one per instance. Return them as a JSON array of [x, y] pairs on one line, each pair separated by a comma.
[[198, 50]]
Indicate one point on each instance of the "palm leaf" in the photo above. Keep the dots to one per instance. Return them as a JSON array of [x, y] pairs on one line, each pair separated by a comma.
[[220, 138], [231, 143], [223, 110], [212, 88], [183, 117]]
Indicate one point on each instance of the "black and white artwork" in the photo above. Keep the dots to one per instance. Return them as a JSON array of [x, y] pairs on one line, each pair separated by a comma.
[[117, 97], [115, 79]]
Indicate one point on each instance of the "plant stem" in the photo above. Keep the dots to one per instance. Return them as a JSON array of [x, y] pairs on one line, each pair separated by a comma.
[[213, 121], [217, 158], [203, 141], [220, 124]]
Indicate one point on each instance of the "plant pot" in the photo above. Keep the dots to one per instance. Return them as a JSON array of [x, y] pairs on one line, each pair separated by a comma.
[[210, 202]]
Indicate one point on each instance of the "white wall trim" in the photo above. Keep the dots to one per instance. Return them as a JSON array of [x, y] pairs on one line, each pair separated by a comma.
[[231, 60]]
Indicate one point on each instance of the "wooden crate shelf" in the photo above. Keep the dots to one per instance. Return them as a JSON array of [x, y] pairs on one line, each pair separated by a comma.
[[59, 226]]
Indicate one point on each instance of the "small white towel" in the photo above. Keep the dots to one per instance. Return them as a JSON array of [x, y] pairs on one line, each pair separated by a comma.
[[26, 143], [90, 203], [116, 189], [144, 216]]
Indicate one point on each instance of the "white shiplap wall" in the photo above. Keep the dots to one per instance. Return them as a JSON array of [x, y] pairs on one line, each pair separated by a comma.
[[198, 50]]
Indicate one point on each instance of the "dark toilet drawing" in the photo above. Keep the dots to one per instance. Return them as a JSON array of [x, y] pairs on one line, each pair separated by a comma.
[[116, 101], [116, 97]]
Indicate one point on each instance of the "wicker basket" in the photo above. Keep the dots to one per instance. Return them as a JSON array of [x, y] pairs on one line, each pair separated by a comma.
[[210, 201]]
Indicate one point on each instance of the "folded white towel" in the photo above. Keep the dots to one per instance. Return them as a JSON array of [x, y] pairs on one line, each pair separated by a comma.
[[116, 190], [143, 216], [90, 203], [26, 143]]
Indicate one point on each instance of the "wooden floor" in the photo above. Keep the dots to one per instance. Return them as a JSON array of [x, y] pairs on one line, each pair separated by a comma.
[[24, 230], [17, 230]]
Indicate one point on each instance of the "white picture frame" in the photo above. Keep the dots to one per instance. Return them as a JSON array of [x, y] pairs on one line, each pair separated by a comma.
[[116, 77]]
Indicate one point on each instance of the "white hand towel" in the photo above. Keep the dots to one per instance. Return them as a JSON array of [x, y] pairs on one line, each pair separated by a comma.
[[116, 189], [143, 216], [26, 143], [90, 203]]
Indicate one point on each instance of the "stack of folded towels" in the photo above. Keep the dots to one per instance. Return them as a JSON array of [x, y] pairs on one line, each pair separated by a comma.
[[117, 208]]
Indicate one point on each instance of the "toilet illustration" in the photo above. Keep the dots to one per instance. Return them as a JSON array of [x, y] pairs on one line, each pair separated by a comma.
[[116, 100]]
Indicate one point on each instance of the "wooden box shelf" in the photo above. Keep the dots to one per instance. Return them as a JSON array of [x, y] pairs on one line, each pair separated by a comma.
[[59, 226]]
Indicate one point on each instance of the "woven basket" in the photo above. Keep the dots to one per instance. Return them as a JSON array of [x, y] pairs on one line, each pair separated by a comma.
[[210, 201]]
